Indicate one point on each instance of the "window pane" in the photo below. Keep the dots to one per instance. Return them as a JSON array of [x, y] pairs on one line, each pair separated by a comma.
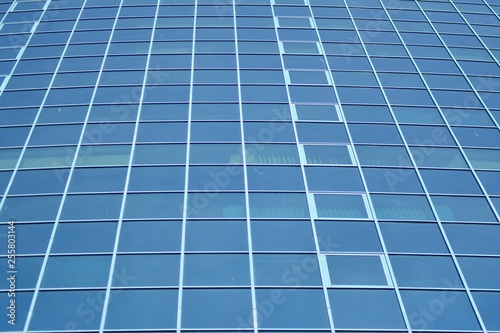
[[484, 158], [278, 205], [274, 178], [215, 154], [215, 308], [340, 206], [98, 179], [147, 270], [42, 208], [347, 236], [413, 237], [425, 271], [333, 179], [365, 309], [474, 238], [489, 307], [356, 270], [154, 205], [463, 209], [156, 178], [30, 266], [215, 178], [216, 236], [103, 155], [402, 207], [322, 154], [286, 270], [481, 272], [142, 309], [438, 157], [459, 314], [74, 237], [160, 154], [152, 236], [271, 154], [383, 155], [55, 309], [450, 181], [104, 206], [282, 236], [77, 271], [215, 205], [216, 270], [392, 180]]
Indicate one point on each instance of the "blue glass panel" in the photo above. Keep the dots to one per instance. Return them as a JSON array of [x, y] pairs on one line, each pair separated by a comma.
[[74, 237], [147, 270], [347, 236], [488, 304], [439, 310], [150, 236], [425, 271], [76, 271], [474, 238], [365, 309], [413, 237], [481, 272], [142, 309], [216, 308], [286, 270], [216, 236], [291, 308], [282, 236], [216, 270], [463, 209]]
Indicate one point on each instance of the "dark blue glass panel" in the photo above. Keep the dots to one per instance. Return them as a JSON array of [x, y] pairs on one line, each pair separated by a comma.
[[150, 236], [366, 309], [282, 236], [142, 309], [347, 236], [439, 310], [216, 308]]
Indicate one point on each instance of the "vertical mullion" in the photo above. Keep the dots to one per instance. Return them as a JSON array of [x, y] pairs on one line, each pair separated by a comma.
[[440, 225], [56, 222], [186, 179], [245, 179], [309, 196], [107, 298]]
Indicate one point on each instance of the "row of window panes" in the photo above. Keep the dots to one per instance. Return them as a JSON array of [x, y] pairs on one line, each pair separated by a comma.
[[44, 157], [130, 308]]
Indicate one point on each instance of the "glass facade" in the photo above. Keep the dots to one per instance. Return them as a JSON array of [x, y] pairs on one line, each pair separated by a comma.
[[250, 165]]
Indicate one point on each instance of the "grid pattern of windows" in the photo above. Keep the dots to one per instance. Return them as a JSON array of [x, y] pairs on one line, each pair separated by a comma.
[[251, 165]]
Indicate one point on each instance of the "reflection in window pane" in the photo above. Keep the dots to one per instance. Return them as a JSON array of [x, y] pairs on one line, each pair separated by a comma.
[[438, 157], [294, 308], [142, 309], [216, 308], [356, 270], [324, 154], [216, 270], [463, 209], [278, 205], [77, 271], [103, 155], [425, 271], [365, 309], [286, 270], [147, 270], [455, 311], [271, 154], [340, 206], [383, 155], [402, 207]]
